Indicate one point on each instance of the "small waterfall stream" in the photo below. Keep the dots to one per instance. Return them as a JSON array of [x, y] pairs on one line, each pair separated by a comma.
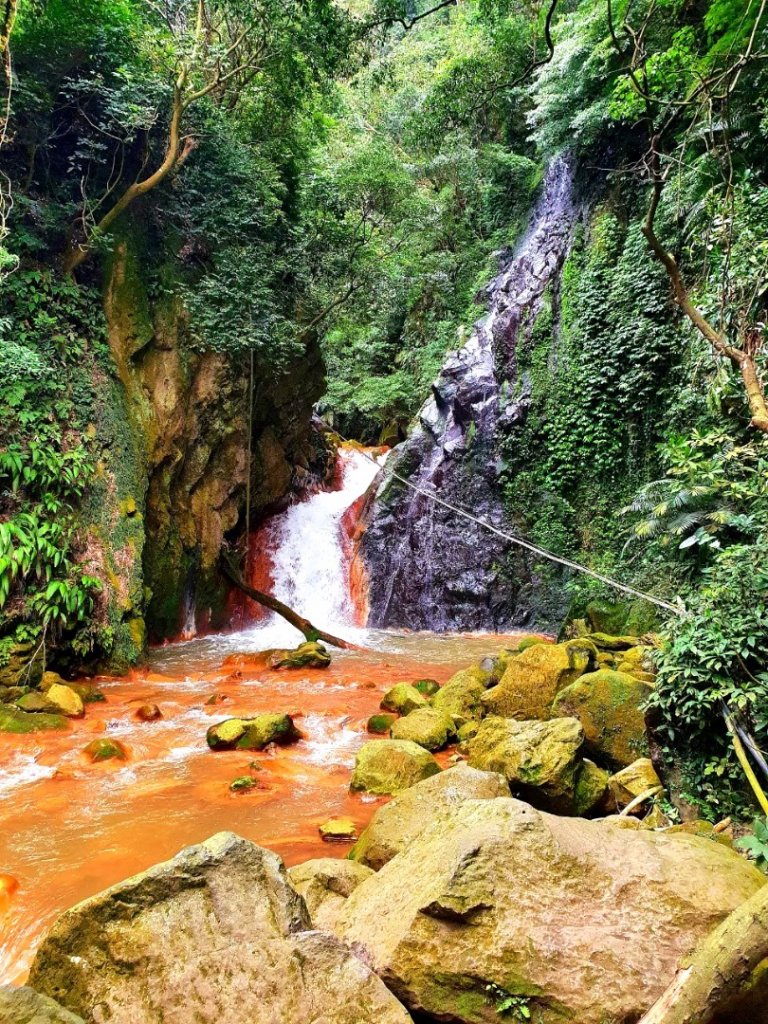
[[436, 572], [302, 556]]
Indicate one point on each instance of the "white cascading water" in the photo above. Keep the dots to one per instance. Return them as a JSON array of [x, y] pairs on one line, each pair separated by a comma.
[[309, 565]]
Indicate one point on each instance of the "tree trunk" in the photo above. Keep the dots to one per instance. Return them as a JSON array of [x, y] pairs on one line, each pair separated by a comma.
[[741, 358], [78, 253], [719, 969], [304, 626]]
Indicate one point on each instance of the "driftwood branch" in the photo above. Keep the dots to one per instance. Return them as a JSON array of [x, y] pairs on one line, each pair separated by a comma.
[[312, 633]]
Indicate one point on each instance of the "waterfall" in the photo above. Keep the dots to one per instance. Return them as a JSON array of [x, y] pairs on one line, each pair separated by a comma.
[[308, 552], [431, 571]]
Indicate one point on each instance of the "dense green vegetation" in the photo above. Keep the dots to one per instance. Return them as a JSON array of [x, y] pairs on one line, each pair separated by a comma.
[[290, 171]]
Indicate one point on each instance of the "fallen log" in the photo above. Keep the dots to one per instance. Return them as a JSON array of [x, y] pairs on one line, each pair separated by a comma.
[[719, 969], [312, 633]]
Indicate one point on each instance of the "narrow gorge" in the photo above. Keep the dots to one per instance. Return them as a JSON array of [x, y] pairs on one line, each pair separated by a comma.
[[383, 512]]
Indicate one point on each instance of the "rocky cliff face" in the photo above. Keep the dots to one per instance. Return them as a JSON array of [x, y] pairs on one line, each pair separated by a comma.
[[431, 569], [180, 476]]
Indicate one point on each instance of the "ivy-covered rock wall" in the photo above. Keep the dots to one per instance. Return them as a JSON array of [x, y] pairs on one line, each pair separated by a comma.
[[604, 373]]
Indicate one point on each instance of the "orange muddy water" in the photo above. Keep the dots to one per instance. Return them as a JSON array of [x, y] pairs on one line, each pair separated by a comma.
[[69, 828]]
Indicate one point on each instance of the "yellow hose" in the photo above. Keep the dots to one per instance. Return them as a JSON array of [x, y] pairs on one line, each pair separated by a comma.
[[762, 799]]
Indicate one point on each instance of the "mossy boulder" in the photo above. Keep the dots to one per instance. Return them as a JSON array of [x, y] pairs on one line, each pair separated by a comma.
[[588, 923], [308, 655], [88, 693], [105, 750], [326, 883], [467, 731], [637, 662], [539, 760], [388, 766], [252, 733], [427, 687], [591, 788], [637, 778], [14, 720], [244, 784], [533, 679], [531, 641], [609, 707], [338, 830], [35, 702], [429, 727], [403, 698], [461, 697], [409, 813], [380, 724], [609, 642], [634, 618], [66, 700]]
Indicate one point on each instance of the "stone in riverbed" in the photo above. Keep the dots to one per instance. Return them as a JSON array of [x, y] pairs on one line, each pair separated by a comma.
[[428, 687], [308, 655], [387, 766], [406, 815], [252, 733], [533, 679], [326, 883], [35, 702], [380, 724], [66, 700], [25, 1006], [609, 706], [461, 695], [338, 830], [14, 720], [149, 713], [106, 750], [403, 698], [540, 760], [217, 935], [585, 921], [429, 727]]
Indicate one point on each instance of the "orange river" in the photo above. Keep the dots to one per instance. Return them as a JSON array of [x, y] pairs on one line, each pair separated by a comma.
[[69, 828]]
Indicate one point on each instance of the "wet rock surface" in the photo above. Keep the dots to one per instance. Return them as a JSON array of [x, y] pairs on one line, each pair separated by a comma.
[[217, 935], [441, 571], [409, 813], [583, 921], [539, 760], [388, 766], [325, 884], [25, 1006]]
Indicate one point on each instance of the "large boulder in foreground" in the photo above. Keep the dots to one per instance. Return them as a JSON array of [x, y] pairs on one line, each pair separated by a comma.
[[533, 679], [387, 766], [539, 760], [325, 884], [406, 815], [217, 936], [584, 921], [429, 727], [609, 706], [25, 1006]]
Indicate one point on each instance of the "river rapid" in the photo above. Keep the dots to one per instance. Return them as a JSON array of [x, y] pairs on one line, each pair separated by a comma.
[[69, 828]]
